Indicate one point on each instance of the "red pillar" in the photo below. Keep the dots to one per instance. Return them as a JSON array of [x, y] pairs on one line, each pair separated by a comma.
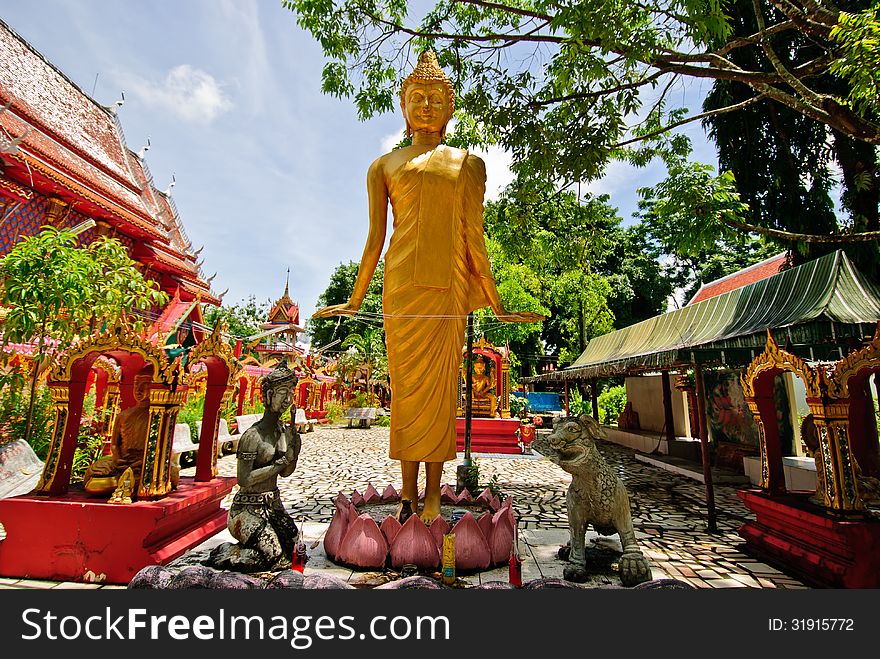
[[77, 393], [206, 458], [242, 392]]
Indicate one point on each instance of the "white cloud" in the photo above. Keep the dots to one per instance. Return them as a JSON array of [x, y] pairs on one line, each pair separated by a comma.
[[191, 94]]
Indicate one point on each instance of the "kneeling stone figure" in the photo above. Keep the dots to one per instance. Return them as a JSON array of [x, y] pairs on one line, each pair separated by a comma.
[[267, 535], [596, 496]]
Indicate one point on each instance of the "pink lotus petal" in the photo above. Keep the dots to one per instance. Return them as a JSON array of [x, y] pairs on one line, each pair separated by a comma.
[[364, 545], [415, 544], [336, 532], [501, 542], [494, 505], [439, 528], [371, 495], [465, 496], [447, 494], [471, 549], [341, 501], [390, 494], [390, 527], [352, 514], [485, 524], [485, 498], [357, 499], [507, 503]]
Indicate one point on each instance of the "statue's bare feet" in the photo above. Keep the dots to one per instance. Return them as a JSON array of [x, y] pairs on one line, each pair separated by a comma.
[[431, 510]]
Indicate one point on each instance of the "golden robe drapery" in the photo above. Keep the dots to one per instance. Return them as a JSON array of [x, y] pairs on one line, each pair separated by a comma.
[[434, 268]]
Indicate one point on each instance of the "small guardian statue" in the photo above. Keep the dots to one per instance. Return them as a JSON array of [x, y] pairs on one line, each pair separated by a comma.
[[267, 535]]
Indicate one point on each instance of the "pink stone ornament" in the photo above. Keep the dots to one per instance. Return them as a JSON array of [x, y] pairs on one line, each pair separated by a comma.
[[390, 494], [471, 549], [415, 544], [364, 545], [390, 527], [439, 528], [371, 495]]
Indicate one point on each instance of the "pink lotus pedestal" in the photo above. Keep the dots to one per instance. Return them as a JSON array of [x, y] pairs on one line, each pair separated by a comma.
[[365, 534]]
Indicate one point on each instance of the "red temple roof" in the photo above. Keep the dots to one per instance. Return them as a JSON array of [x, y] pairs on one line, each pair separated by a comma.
[[73, 148], [767, 268]]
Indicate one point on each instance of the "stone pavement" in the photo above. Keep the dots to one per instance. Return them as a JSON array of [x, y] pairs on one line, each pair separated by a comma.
[[668, 509]]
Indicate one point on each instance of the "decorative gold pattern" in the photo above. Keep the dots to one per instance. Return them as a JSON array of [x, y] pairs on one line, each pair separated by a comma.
[[15, 189], [216, 346], [774, 357], [867, 357], [119, 337]]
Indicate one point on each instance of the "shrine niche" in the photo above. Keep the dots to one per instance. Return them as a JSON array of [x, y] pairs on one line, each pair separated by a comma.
[[490, 393], [135, 357], [829, 537]]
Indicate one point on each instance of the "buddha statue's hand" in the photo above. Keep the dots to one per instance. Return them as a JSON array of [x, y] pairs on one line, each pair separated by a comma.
[[518, 316], [346, 309]]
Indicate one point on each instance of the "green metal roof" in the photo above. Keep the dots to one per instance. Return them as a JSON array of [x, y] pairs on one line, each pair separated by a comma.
[[824, 299]]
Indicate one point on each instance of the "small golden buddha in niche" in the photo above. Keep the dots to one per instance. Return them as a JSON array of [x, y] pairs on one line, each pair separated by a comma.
[[436, 272]]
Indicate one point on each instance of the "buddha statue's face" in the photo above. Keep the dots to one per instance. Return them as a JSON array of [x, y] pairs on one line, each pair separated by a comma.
[[427, 107], [280, 398], [479, 368], [141, 390]]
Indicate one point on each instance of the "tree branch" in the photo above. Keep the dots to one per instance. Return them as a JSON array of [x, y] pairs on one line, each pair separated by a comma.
[[596, 94], [508, 9], [702, 115], [756, 37], [865, 236]]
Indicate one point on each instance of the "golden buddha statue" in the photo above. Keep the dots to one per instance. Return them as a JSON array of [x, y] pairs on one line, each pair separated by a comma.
[[436, 272], [126, 446], [483, 403]]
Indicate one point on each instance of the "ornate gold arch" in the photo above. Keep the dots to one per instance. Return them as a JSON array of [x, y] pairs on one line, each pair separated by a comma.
[[119, 337], [216, 346], [103, 363], [775, 357], [846, 368]]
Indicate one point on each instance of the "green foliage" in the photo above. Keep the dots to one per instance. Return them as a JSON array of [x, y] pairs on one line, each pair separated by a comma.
[[243, 319], [858, 58], [55, 289], [324, 331], [383, 421], [13, 411], [366, 350], [611, 403], [563, 86], [686, 216], [520, 407], [578, 405], [191, 412], [335, 411], [690, 211]]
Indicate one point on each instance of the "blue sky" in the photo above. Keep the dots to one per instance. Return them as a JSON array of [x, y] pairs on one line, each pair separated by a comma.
[[270, 173]]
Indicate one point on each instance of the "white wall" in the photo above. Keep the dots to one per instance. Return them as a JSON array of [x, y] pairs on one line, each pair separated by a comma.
[[645, 392]]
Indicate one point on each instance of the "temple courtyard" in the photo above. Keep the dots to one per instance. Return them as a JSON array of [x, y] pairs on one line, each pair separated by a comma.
[[668, 509]]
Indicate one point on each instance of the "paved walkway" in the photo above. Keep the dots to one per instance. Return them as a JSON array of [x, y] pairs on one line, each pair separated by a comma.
[[669, 512]]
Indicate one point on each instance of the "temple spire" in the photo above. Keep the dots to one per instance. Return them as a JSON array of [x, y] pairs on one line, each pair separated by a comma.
[[286, 284]]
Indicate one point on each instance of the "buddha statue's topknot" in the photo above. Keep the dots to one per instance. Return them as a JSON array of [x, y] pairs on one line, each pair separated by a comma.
[[427, 71]]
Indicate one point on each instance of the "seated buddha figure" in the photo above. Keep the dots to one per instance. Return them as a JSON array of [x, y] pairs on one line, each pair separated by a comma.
[[484, 402], [126, 445]]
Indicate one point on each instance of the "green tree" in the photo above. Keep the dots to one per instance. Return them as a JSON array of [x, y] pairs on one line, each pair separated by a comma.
[[562, 85], [324, 331], [55, 291], [786, 164], [366, 350], [697, 219], [243, 319]]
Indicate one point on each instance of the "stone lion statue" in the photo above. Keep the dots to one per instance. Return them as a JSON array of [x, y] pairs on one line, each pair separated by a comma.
[[596, 496]]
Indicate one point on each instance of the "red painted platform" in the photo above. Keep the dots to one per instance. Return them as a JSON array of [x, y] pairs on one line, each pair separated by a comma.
[[489, 435], [828, 550], [79, 538]]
